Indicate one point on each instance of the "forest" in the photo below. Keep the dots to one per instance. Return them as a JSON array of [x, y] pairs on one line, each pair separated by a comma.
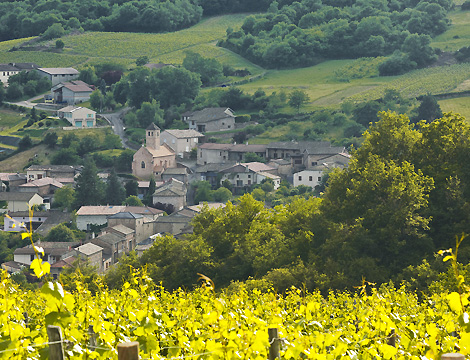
[[305, 32]]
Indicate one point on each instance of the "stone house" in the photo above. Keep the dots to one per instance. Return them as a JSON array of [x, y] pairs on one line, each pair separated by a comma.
[[172, 192], [124, 231], [114, 246], [311, 177], [211, 119], [97, 215], [153, 158], [180, 174], [244, 175], [11, 181], [46, 187], [35, 172], [91, 253], [58, 75], [181, 141], [73, 92], [211, 153], [53, 252], [78, 116]]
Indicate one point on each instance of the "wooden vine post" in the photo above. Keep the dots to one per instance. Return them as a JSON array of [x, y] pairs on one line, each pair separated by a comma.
[[274, 344], [128, 351], [452, 356], [56, 349]]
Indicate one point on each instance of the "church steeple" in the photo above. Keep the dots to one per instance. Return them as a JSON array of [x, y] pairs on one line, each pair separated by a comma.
[[152, 136]]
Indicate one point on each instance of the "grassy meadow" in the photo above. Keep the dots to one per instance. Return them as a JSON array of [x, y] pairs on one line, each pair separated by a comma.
[[458, 105], [458, 34]]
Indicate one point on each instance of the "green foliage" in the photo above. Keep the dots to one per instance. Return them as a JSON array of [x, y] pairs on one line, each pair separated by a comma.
[[51, 139], [89, 188], [59, 44], [60, 233], [297, 99], [133, 200], [210, 70], [203, 191], [54, 31], [25, 143], [142, 60], [64, 197], [115, 193]]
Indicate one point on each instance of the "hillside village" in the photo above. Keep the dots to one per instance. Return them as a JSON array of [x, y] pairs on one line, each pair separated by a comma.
[[166, 158]]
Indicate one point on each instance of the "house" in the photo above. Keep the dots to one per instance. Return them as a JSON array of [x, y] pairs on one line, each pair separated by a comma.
[[53, 252], [19, 201], [244, 175], [96, 215], [172, 192], [331, 160], [125, 232], [310, 177], [91, 253], [78, 116], [11, 181], [210, 153], [58, 75], [22, 217], [7, 70], [211, 119], [59, 266], [134, 222], [181, 141], [143, 188], [72, 92], [35, 172], [114, 246], [210, 173], [46, 187], [180, 173], [153, 158]]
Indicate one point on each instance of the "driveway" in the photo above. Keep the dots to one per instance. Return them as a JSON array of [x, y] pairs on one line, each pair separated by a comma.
[[115, 119]]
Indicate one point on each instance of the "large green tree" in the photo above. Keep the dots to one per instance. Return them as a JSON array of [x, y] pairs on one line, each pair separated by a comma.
[[115, 192], [89, 189]]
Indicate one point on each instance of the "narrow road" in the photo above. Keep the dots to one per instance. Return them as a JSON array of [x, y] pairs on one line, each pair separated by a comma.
[[115, 119]]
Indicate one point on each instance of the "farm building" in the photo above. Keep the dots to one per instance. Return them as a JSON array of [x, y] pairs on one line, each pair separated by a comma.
[[58, 75], [72, 92]]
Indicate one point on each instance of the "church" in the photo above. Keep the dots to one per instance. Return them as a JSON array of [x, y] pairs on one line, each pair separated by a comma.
[[152, 158]]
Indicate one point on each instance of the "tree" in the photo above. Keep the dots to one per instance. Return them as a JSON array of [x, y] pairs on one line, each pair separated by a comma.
[[133, 201], [88, 75], [97, 100], [115, 193], [203, 191], [252, 157], [89, 188], [14, 91], [124, 160], [298, 98], [54, 31], [148, 199], [429, 109], [25, 143], [2, 94], [64, 197], [142, 60], [222, 194], [210, 70], [59, 44], [132, 188], [51, 139], [419, 49], [60, 233]]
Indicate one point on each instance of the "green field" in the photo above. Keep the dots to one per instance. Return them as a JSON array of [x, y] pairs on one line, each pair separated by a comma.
[[125, 48], [457, 105], [458, 34]]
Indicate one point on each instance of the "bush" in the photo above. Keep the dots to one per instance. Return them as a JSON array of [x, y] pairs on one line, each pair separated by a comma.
[[465, 5], [397, 64], [54, 31]]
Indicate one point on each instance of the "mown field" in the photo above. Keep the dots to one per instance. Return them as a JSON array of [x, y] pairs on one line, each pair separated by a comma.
[[458, 34]]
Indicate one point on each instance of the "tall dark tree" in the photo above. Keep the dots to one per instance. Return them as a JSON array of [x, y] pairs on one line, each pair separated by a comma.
[[89, 187], [115, 193], [132, 188], [148, 200], [429, 109]]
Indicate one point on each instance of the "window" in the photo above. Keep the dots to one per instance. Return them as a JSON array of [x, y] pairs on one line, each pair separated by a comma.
[[300, 178], [314, 163], [142, 164], [249, 176], [310, 178], [238, 176], [298, 161], [239, 182], [319, 178], [224, 157], [31, 257], [249, 182], [229, 126]]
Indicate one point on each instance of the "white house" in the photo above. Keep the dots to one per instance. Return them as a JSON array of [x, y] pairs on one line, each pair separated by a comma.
[[58, 75], [20, 201], [78, 116], [97, 215], [7, 70], [210, 119], [310, 178], [181, 141]]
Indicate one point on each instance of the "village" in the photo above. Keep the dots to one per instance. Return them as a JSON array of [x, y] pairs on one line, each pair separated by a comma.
[[173, 158]]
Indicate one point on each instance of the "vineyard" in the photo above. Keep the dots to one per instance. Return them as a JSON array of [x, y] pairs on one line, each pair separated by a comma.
[[230, 325]]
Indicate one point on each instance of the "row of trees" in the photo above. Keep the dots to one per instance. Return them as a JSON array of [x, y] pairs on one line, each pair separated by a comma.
[[301, 33], [25, 83], [405, 195]]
